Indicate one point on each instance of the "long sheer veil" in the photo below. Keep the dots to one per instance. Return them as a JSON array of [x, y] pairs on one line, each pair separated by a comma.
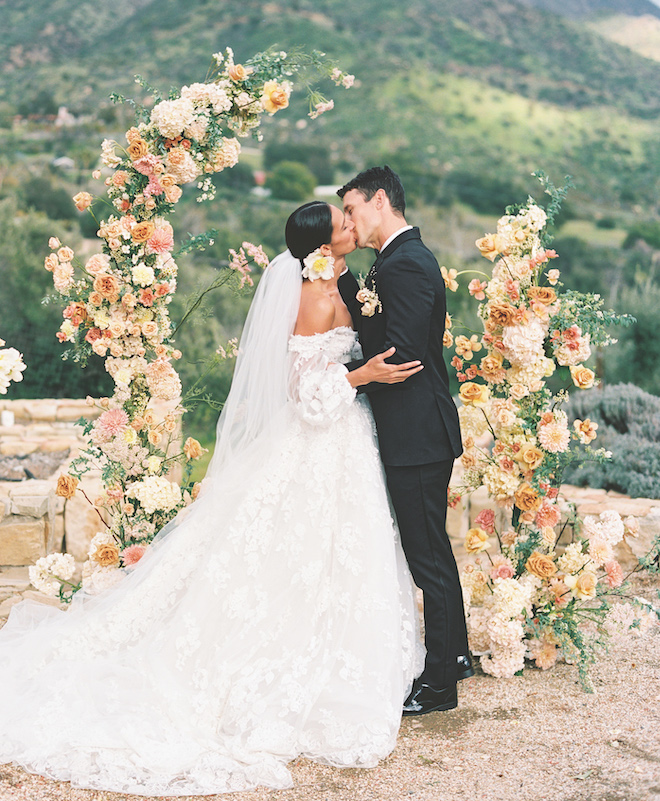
[[259, 388]]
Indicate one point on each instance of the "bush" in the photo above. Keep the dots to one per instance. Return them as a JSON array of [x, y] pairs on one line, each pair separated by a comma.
[[649, 232], [290, 180], [629, 426], [41, 195]]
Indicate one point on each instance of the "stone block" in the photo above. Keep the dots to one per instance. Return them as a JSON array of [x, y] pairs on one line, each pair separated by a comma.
[[49, 600], [14, 580], [72, 411], [18, 447], [22, 540], [5, 506], [33, 505], [41, 410]]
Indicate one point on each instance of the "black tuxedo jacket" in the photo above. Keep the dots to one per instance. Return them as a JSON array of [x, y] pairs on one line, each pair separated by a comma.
[[416, 420]]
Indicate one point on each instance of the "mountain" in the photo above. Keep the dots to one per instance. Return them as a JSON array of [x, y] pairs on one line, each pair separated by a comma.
[[579, 9], [447, 88]]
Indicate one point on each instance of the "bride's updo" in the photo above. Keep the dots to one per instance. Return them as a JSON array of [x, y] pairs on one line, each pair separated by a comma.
[[309, 227]]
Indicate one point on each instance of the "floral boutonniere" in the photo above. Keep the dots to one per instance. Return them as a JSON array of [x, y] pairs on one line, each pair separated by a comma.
[[370, 301]]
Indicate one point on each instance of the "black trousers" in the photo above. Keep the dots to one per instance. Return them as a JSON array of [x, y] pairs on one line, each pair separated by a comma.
[[419, 496]]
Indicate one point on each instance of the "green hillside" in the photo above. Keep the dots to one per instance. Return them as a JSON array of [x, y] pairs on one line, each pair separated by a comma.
[[465, 98]]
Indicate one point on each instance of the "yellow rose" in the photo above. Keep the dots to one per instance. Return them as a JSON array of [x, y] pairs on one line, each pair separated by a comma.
[[582, 586], [530, 456], [490, 246], [106, 554], [476, 540], [474, 394], [66, 486], [540, 565], [491, 365], [274, 97], [527, 498], [583, 377]]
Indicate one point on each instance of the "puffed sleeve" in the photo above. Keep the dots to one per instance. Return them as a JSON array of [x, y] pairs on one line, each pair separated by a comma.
[[318, 387]]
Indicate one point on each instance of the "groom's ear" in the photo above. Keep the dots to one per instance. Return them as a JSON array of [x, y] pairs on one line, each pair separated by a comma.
[[380, 199]]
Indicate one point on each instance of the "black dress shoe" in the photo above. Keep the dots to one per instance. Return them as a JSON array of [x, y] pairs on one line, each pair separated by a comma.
[[424, 699], [464, 668]]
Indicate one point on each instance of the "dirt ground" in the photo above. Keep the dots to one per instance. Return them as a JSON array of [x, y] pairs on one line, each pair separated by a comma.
[[534, 737]]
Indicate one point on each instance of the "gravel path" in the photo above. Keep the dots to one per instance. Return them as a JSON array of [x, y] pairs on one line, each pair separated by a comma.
[[534, 737]]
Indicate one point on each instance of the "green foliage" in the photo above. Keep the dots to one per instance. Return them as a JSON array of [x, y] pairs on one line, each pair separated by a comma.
[[629, 426], [29, 325], [315, 157], [290, 180], [41, 195], [646, 230]]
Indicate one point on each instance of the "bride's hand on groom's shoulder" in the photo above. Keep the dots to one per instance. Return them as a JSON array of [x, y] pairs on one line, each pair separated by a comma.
[[379, 371]]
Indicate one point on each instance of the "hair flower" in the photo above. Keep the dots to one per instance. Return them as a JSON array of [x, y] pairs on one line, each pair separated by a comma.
[[318, 266]]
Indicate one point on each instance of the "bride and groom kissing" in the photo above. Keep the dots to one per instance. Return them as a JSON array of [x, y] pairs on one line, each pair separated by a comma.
[[277, 617]]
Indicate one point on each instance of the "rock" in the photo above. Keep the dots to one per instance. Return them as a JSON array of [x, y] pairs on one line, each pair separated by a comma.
[[49, 600], [11, 470], [5, 506], [14, 579], [23, 540], [41, 410], [33, 505], [71, 411], [18, 447]]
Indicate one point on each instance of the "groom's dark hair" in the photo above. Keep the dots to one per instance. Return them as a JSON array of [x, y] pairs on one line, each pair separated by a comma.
[[368, 182]]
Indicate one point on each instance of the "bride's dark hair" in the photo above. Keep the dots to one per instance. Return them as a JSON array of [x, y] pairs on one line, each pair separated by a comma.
[[309, 227]]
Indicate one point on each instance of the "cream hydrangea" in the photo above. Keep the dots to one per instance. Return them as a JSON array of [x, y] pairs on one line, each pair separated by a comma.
[[172, 116], [155, 494], [44, 574], [499, 483], [573, 560], [143, 275], [511, 597], [524, 343], [474, 423]]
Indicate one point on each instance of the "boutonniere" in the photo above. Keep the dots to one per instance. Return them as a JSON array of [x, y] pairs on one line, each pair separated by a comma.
[[370, 301]]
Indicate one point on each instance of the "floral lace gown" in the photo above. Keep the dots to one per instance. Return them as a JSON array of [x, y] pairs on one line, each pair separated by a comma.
[[278, 620]]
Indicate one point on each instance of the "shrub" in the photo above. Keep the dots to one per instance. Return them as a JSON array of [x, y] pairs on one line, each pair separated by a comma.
[[629, 426], [290, 180]]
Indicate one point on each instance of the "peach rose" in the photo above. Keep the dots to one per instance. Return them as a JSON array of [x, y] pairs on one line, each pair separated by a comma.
[[66, 486], [97, 263], [173, 194], [107, 286], [583, 377], [542, 294], [65, 254], [501, 314], [141, 231], [149, 329], [237, 73], [51, 261], [83, 200], [154, 437], [490, 246], [193, 449], [106, 554], [540, 565], [274, 97], [527, 498], [530, 456], [582, 586], [137, 149], [474, 394], [476, 540]]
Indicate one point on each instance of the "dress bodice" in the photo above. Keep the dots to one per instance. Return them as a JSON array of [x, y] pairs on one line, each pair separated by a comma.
[[337, 345]]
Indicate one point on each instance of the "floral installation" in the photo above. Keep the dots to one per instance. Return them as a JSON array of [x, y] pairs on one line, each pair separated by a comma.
[[117, 301], [541, 578], [11, 367]]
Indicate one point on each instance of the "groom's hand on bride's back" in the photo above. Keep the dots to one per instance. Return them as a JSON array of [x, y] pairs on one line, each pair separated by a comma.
[[379, 371]]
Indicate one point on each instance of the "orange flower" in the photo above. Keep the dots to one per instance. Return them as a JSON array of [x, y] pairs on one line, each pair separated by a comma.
[[66, 486], [275, 97], [137, 149], [501, 313], [83, 200], [542, 294], [583, 377], [527, 498], [490, 246], [541, 565], [474, 394], [107, 286], [237, 73], [142, 231], [193, 449]]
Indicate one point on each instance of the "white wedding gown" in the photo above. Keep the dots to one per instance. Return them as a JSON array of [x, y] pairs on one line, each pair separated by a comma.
[[277, 618]]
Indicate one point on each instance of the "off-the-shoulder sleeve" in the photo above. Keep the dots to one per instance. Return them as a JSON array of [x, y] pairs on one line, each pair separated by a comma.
[[318, 387]]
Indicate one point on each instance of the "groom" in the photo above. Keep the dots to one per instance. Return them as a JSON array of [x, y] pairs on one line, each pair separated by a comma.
[[417, 422]]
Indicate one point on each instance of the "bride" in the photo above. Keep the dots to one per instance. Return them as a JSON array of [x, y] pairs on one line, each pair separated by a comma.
[[274, 617]]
